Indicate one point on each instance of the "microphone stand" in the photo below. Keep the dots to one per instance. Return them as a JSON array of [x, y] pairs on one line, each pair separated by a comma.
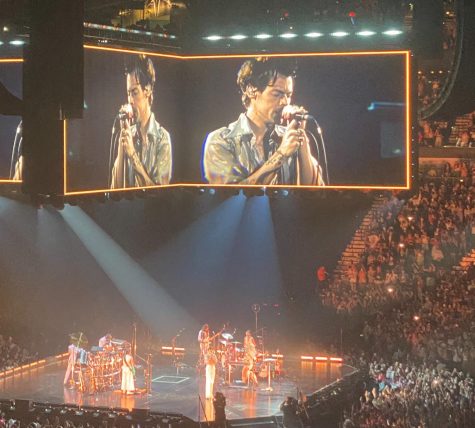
[[113, 148], [147, 372], [134, 340], [174, 355], [17, 147], [322, 142]]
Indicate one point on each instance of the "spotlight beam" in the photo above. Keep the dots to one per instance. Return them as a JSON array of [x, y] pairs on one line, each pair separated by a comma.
[[199, 255], [153, 304]]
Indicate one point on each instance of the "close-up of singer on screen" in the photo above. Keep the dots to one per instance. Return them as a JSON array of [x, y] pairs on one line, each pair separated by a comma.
[[141, 151], [272, 141]]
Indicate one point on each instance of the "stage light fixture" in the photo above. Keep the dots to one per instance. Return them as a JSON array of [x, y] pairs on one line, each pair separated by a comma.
[[272, 193], [249, 192], [262, 36], [314, 34], [339, 34], [366, 33], [115, 196], [392, 32], [238, 37], [57, 201], [213, 38], [232, 191], [288, 35], [17, 42], [1, 43], [212, 191], [277, 193]]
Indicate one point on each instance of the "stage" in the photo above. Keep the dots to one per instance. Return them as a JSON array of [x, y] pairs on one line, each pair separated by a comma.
[[177, 390]]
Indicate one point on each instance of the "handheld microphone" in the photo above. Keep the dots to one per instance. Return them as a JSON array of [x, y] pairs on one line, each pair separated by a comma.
[[126, 112], [290, 112], [303, 116]]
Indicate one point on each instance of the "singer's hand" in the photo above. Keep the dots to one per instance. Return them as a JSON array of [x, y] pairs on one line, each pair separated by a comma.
[[126, 112], [293, 139], [126, 140], [289, 112]]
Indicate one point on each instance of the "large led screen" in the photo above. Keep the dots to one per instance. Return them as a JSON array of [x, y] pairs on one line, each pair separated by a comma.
[[306, 120], [10, 126]]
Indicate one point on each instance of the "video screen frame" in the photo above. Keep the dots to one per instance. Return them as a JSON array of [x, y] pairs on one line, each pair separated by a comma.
[[408, 121], [6, 62]]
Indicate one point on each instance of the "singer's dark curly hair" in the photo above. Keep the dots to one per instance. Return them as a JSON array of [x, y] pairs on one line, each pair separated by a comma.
[[142, 67], [261, 72]]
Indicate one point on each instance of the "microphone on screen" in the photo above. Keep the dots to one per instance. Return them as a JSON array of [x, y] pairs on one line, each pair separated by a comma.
[[126, 112], [290, 112]]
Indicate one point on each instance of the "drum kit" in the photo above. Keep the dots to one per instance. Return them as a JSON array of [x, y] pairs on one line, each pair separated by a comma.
[[100, 368], [232, 355]]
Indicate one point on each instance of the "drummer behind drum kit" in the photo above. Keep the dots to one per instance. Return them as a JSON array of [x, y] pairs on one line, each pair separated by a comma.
[[233, 355], [99, 369]]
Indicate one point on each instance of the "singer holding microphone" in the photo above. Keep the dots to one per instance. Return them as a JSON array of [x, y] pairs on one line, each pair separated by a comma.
[[268, 143], [141, 152]]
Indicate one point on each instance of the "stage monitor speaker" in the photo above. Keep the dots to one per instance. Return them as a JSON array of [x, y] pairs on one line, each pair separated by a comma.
[[23, 406], [140, 413], [263, 422], [54, 77]]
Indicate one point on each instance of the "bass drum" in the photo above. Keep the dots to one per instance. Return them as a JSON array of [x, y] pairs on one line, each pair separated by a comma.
[[239, 354], [83, 356], [263, 371]]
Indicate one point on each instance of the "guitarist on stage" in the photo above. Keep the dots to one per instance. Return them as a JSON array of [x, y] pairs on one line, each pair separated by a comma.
[[204, 340]]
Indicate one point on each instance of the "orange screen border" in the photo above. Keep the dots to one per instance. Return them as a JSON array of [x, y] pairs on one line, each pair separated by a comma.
[[408, 116]]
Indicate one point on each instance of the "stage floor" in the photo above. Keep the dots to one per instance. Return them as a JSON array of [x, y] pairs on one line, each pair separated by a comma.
[[178, 392]]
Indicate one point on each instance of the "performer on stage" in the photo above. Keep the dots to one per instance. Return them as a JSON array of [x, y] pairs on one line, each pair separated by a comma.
[[105, 340], [203, 339], [68, 376], [128, 373], [250, 348], [210, 361], [250, 355], [248, 376]]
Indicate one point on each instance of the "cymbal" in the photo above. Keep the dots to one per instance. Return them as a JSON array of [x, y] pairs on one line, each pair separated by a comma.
[[235, 343], [223, 342], [227, 336], [78, 338], [270, 360]]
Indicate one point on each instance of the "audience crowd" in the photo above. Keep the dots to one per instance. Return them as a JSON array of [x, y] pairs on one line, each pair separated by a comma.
[[413, 394], [437, 134], [416, 305], [11, 354]]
